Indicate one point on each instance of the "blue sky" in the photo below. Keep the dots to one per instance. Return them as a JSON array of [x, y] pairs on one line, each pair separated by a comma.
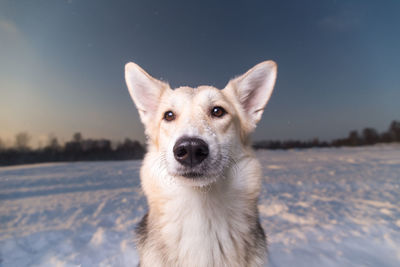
[[61, 67]]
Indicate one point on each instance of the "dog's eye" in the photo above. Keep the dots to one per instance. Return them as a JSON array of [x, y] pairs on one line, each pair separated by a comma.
[[169, 116], [218, 112]]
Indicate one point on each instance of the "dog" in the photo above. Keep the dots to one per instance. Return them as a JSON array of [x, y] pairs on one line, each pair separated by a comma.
[[200, 175]]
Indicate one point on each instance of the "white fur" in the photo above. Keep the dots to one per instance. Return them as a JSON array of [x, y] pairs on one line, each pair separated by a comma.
[[143, 89], [211, 220], [254, 88], [193, 218]]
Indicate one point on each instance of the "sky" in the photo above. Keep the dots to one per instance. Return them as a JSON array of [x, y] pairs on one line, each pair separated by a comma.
[[62, 62]]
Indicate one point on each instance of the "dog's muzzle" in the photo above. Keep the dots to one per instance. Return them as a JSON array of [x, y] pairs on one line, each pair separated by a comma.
[[190, 151]]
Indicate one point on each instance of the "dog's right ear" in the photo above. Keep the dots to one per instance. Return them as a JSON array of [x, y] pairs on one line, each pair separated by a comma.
[[144, 90]]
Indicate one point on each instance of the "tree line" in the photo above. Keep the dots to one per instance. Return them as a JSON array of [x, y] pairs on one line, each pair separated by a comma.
[[77, 149], [367, 136], [81, 149]]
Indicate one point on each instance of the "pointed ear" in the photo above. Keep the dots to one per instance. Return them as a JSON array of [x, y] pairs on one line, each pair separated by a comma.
[[253, 89], [144, 90]]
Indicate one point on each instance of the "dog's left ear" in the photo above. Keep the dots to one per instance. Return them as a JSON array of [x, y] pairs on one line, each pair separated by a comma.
[[253, 89]]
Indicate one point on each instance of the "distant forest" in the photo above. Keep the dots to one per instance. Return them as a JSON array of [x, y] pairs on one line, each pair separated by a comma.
[[368, 136], [78, 149], [81, 149]]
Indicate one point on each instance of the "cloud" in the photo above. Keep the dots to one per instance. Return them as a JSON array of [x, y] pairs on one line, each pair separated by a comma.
[[7, 27], [344, 21], [14, 48], [18, 65]]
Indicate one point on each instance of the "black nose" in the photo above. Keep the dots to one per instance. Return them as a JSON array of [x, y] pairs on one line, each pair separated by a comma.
[[190, 151]]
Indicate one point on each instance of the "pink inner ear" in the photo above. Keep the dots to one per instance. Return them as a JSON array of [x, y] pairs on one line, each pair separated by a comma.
[[255, 89], [144, 90], [146, 98], [254, 96]]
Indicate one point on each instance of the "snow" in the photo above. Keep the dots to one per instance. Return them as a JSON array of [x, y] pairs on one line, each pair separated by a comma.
[[319, 207]]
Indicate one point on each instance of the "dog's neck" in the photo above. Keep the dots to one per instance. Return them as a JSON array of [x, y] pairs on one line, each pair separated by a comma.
[[196, 222]]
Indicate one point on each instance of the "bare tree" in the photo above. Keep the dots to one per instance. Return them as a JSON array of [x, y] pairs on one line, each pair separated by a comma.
[[22, 141], [353, 139], [370, 136], [77, 137], [2, 145], [394, 129], [52, 142]]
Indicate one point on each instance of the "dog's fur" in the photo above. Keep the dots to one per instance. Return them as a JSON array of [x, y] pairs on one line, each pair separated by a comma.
[[210, 219]]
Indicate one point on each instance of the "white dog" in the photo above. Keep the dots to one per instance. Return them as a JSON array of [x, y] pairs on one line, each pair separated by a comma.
[[200, 175]]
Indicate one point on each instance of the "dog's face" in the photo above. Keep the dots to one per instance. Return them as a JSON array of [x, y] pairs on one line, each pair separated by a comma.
[[197, 132]]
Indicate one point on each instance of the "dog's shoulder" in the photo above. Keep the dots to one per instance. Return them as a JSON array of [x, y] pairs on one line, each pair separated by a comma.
[[142, 230]]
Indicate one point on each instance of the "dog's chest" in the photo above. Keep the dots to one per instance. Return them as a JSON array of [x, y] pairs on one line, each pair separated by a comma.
[[206, 232]]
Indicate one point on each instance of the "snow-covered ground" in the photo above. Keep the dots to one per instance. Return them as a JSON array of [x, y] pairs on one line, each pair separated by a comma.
[[319, 207]]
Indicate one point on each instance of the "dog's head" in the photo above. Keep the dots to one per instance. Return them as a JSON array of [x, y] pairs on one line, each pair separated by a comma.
[[199, 132]]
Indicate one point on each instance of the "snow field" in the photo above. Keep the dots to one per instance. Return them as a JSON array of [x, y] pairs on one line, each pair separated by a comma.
[[319, 207]]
